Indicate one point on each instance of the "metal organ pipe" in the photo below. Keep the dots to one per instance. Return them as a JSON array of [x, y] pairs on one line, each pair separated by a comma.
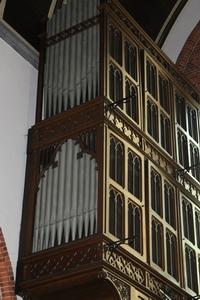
[[66, 205], [61, 195], [66, 70], [72, 65]]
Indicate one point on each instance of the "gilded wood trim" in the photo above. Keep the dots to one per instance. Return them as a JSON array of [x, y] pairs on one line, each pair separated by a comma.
[[164, 224], [127, 196], [186, 241], [126, 23], [119, 124], [121, 68]]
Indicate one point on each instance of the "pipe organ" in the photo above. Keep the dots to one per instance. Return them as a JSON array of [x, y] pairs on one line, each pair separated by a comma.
[[112, 193]]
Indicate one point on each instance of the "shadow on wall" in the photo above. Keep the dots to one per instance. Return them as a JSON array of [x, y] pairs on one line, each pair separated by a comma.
[[188, 61], [7, 285]]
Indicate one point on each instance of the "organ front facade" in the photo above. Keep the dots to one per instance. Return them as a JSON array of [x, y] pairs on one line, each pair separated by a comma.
[[112, 193]]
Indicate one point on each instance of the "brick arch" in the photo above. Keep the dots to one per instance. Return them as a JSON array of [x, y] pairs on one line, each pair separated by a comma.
[[7, 289], [188, 61]]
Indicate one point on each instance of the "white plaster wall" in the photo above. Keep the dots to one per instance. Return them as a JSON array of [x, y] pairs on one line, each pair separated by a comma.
[[180, 31], [18, 81]]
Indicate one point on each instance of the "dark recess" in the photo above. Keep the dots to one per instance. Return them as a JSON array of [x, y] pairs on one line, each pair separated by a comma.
[[150, 14], [25, 16]]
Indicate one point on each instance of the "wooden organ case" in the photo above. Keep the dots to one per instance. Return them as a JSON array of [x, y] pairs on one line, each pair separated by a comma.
[[111, 184]]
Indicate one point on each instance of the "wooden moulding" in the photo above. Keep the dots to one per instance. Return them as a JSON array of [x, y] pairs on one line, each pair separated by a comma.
[[87, 261], [72, 30], [61, 267], [67, 124]]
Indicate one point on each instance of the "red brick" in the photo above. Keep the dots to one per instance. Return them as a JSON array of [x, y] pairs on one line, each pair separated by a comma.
[[188, 61], [6, 274]]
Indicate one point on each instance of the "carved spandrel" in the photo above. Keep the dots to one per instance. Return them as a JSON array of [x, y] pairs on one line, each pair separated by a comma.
[[122, 288], [86, 141]]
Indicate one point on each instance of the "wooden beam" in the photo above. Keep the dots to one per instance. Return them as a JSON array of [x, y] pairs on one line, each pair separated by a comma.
[[2, 8], [52, 8]]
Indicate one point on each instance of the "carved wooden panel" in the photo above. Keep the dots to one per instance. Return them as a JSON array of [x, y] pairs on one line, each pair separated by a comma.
[[67, 124], [59, 262], [71, 31], [122, 288], [159, 159], [189, 186], [128, 268], [123, 127], [142, 276]]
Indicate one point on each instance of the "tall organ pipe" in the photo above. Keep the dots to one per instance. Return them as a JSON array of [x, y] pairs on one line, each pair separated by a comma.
[[61, 195], [66, 205], [72, 65], [66, 72]]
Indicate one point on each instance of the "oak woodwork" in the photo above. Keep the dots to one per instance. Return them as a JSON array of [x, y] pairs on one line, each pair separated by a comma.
[[83, 268]]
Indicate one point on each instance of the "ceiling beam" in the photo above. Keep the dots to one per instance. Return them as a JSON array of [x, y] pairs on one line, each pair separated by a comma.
[[52, 8], [169, 22], [2, 8]]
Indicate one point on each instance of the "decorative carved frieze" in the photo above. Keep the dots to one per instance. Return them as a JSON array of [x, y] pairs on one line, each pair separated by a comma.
[[123, 126], [189, 186], [159, 159], [141, 276], [72, 30], [59, 263], [125, 266], [154, 285], [68, 260], [67, 124], [162, 290]]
